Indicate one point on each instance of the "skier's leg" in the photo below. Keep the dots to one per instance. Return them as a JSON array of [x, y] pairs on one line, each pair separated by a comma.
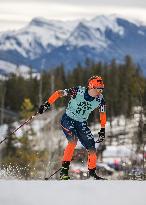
[[69, 150], [67, 125], [92, 158], [86, 138], [68, 153]]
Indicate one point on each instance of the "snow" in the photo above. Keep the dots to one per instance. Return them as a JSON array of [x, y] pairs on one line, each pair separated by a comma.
[[73, 192], [118, 151], [104, 22], [39, 35], [19, 70], [3, 131], [49, 32], [13, 68], [92, 32], [84, 35], [38, 125]]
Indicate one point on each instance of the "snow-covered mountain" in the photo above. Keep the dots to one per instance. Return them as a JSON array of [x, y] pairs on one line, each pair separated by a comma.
[[48, 43]]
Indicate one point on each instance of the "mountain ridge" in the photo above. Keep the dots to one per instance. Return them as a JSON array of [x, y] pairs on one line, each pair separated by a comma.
[[45, 44]]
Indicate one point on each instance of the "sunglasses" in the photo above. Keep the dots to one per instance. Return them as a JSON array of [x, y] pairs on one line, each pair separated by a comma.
[[99, 89]]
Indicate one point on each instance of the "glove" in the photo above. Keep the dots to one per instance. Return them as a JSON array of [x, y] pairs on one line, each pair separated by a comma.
[[44, 107], [101, 135]]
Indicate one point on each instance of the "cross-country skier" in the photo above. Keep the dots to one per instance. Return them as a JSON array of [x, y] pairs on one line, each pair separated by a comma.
[[83, 100]]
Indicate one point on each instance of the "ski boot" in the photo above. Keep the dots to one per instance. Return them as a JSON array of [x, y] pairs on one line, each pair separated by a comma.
[[92, 174], [64, 171]]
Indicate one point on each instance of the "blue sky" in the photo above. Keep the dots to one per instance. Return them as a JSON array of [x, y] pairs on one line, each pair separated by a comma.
[[15, 14]]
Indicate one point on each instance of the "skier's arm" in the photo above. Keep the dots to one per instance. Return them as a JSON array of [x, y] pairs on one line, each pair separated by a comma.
[[102, 119], [102, 111], [57, 94], [51, 100], [60, 93]]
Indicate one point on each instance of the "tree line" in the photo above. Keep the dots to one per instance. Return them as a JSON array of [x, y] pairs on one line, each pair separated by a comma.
[[125, 86]]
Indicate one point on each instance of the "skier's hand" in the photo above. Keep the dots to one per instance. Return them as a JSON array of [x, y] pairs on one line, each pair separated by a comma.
[[101, 135], [44, 107]]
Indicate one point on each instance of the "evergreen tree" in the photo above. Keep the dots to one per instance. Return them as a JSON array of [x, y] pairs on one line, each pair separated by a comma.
[[26, 108]]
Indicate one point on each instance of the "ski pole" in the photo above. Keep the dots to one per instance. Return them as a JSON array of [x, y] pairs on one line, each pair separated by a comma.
[[15, 130], [47, 178]]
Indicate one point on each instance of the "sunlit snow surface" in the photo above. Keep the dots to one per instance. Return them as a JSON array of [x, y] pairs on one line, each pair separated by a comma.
[[72, 192]]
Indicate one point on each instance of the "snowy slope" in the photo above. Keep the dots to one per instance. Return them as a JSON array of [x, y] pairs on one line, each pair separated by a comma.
[[72, 192], [92, 32], [13, 68], [7, 68], [39, 36], [103, 22], [85, 35], [37, 124]]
